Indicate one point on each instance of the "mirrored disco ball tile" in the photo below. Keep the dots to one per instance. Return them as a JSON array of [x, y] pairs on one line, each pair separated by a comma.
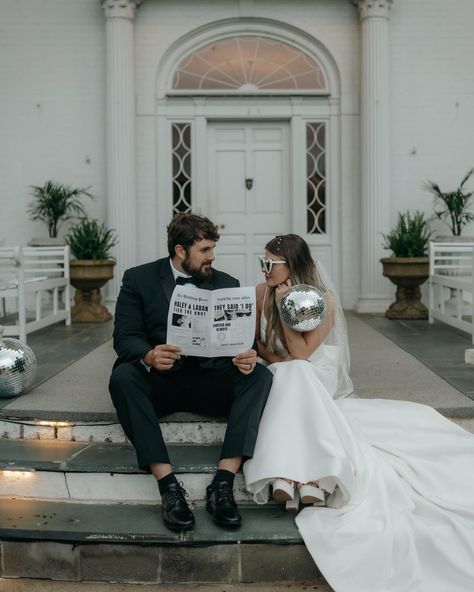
[[303, 308], [17, 367]]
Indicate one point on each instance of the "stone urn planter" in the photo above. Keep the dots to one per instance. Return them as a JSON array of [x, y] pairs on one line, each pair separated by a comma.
[[57, 241], [408, 274], [88, 276]]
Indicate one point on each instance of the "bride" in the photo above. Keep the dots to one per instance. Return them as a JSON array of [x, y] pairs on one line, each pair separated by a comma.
[[387, 486]]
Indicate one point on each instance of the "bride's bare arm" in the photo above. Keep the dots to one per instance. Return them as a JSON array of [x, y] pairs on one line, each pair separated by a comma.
[[302, 345]]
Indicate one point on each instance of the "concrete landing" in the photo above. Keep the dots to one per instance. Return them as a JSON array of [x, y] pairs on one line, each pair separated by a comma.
[[380, 369]]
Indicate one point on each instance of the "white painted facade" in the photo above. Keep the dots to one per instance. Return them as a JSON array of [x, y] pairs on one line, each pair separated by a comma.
[[85, 99]]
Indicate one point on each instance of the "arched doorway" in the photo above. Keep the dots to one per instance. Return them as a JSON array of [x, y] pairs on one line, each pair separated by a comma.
[[248, 133]]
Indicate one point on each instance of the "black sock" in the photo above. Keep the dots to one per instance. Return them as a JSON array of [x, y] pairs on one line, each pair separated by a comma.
[[166, 481], [223, 475]]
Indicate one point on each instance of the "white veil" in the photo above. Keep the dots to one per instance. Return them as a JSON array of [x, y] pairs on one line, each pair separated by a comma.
[[282, 245], [338, 334]]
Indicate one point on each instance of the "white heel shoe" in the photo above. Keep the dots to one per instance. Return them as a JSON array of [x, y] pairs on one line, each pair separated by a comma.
[[311, 493], [283, 491], [293, 505]]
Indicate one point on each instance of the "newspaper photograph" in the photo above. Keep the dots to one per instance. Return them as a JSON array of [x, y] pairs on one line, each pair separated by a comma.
[[212, 323]]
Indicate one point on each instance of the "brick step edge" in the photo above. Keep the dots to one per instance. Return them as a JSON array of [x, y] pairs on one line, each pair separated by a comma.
[[76, 542]]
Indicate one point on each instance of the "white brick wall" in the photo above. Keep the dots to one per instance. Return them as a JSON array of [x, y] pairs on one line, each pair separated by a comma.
[[432, 98], [51, 105], [52, 97]]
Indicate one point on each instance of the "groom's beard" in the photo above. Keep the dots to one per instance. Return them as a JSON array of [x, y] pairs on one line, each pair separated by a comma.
[[202, 272]]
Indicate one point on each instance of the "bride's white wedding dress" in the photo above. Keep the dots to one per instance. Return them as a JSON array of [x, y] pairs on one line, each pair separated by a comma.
[[400, 517]]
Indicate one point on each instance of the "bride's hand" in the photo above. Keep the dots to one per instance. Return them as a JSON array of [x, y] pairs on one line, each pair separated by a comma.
[[281, 290]]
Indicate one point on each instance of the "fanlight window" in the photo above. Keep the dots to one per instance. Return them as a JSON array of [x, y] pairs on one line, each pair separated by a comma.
[[248, 64]]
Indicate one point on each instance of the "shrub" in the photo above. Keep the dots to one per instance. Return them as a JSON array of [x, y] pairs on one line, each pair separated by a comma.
[[91, 239], [409, 237]]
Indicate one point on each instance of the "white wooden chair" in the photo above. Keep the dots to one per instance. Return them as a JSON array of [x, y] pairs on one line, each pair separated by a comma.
[[452, 266], [28, 276]]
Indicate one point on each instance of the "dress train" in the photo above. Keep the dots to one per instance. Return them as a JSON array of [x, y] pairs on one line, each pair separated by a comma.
[[400, 514]]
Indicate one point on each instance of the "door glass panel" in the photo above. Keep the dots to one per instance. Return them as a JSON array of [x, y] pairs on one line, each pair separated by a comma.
[[181, 163], [316, 206]]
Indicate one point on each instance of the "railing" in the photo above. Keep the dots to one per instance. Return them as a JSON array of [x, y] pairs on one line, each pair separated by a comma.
[[35, 281], [452, 267]]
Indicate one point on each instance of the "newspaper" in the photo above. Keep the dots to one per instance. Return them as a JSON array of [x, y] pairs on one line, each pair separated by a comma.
[[212, 323]]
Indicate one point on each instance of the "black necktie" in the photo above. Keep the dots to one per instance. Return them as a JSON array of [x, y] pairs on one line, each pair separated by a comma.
[[180, 281]]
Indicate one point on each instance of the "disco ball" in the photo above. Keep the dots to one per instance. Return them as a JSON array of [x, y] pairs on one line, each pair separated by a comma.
[[17, 367], [303, 308]]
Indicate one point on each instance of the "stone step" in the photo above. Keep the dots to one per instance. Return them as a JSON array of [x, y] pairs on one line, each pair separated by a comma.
[[177, 428], [101, 472], [124, 543]]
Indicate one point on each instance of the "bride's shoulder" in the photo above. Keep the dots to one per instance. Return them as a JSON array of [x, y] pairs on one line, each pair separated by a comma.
[[330, 297]]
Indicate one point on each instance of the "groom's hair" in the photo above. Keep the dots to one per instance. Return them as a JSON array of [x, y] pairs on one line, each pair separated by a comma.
[[185, 229]]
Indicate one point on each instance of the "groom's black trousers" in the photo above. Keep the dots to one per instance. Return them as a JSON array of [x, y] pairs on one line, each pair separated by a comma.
[[140, 399]]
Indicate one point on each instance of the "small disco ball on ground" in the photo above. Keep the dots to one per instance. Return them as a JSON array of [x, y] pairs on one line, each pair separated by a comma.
[[17, 367], [303, 308]]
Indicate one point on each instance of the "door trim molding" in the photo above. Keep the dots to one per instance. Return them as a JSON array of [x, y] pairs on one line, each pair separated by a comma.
[[296, 111]]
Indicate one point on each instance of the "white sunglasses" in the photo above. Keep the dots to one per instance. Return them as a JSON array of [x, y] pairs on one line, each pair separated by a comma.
[[267, 264]]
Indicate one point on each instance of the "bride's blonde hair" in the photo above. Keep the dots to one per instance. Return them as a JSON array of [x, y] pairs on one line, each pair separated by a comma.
[[295, 251]]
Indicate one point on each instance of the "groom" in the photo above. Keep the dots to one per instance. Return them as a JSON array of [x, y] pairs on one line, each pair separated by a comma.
[[151, 378]]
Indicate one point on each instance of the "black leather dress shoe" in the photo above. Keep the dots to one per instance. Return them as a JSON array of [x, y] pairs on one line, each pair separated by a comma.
[[221, 504], [176, 512]]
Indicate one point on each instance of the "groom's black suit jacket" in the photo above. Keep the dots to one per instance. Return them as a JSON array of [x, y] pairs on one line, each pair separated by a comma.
[[141, 313]]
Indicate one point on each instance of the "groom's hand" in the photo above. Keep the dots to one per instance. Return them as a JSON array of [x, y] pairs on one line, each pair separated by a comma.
[[246, 361], [162, 357]]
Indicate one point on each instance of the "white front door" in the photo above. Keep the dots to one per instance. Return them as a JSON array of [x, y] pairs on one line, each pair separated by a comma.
[[249, 192]]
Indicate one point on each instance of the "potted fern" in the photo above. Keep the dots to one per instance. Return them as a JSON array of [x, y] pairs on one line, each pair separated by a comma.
[[408, 268], [54, 203], [90, 242], [452, 207]]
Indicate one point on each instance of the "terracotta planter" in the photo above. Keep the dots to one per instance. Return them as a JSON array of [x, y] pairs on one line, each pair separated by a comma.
[[408, 274], [88, 277]]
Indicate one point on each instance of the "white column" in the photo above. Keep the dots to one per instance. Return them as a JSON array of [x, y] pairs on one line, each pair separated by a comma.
[[375, 141], [120, 126]]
